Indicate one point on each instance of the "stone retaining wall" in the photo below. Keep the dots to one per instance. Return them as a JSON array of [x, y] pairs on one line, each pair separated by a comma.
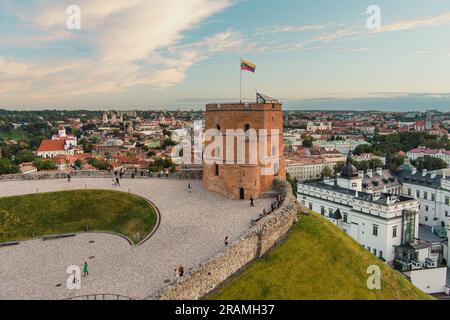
[[255, 243], [80, 174]]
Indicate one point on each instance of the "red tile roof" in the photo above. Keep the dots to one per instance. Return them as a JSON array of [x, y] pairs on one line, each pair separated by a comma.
[[51, 145]]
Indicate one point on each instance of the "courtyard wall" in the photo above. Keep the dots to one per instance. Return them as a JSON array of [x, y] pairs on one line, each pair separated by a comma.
[[259, 239]]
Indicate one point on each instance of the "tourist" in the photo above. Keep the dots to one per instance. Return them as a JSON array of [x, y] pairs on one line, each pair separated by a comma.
[[181, 271], [252, 204], [86, 269], [190, 188], [68, 177], [226, 242], [118, 182], [167, 173]]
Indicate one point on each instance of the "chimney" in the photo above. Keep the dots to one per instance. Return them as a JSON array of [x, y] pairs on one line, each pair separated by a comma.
[[361, 174], [414, 170], [379, 171], [424, 172], [370, 173]]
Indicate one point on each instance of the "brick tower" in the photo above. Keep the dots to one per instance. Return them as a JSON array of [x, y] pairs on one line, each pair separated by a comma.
[[233, 178]]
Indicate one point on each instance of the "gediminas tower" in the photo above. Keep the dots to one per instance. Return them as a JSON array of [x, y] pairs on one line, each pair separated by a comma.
[[242, 181]]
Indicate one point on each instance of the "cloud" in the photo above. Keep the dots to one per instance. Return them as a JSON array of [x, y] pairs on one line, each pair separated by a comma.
[[133, 43]]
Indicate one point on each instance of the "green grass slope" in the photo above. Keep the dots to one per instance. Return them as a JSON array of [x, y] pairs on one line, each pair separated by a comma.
[[44, 214], [317, 261]]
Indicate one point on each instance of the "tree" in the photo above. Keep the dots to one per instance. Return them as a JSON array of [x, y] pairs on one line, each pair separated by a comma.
[[41, 164], [78, 164], [429, 163], [161, 164], [24, 156], [338, 167], [308, 142], [326, 172], [99, 164], [293, 182], [7, 166], [363, 148]]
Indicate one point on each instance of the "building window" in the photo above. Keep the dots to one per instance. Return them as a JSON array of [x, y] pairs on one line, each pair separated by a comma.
[[409, 192], [426, 219], [433, 197], [247, 127], [446, 213], [375, 230], [426, 208], [374, 252], [381, 254], [322, 210], [447, 200], [418, 193], [310, 206], [425, 195], [330, 212], [345, 217], [394, 232]]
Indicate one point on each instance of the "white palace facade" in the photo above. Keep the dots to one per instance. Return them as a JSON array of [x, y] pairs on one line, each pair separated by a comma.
[[383, 211], [378, 221]]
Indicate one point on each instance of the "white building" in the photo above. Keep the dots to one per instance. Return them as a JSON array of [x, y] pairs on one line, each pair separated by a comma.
[[378, 221], [383, 215], [343, 146], [61, 144], [310, 168], [314, 126], [433, 192], [421, 152]]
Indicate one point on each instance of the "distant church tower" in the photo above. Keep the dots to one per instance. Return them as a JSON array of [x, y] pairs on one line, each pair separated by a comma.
[[242, 181]]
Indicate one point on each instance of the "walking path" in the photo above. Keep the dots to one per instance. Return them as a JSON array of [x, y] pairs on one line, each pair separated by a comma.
[[193, 228]]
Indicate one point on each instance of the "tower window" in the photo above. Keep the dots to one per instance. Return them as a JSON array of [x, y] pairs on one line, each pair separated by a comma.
[[216, 170], [247, 127]]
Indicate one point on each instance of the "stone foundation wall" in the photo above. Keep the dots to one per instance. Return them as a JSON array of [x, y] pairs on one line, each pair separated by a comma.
[[256, 242]]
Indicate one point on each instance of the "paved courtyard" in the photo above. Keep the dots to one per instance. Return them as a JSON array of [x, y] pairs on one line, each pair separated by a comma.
[[193, 227]]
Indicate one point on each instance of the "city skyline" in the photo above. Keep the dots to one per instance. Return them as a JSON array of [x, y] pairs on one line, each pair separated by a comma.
[[311, 55]]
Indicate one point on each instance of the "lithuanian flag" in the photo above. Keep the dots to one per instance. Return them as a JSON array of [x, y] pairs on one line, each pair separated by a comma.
[[248, 66]]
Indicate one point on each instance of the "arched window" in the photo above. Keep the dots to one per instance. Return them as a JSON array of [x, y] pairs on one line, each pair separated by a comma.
[[247, 127], [218, 127]]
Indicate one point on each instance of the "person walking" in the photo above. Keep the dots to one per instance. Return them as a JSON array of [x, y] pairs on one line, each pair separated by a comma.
[[86, 269], [190, 188], [252, 203], [180, 271], [226, 241], [69, 177], [118, 182]]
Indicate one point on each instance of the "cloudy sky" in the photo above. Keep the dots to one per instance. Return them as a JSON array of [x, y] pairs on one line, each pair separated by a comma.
[[143, 53]]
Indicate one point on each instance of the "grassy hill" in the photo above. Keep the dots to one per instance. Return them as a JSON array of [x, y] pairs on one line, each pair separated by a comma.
[[44, 214], [316, 261]]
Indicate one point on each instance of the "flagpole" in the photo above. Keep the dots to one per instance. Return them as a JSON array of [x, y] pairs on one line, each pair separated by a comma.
[[240, 84]]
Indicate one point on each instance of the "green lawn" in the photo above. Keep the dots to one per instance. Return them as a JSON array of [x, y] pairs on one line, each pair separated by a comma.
[[44, 214], [316, 261]]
